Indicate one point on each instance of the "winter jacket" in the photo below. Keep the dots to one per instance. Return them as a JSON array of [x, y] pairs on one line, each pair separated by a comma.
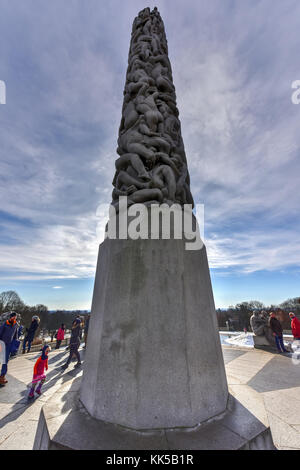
[[75, 334], [8, 332], [39, 369], [295, 324], [275, 326], [60, 334], [31, 330], [40, 366]]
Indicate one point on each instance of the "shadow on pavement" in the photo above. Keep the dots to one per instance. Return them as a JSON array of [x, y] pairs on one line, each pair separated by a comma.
[[18, 388]]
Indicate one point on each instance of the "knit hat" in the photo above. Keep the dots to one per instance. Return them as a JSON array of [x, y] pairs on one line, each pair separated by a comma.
[[291, 314], [44, 355]]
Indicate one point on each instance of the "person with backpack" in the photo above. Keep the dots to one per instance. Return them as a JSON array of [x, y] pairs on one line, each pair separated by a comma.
[[8, 333]]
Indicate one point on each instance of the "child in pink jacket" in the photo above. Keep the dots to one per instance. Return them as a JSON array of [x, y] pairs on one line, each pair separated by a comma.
[[39, 375]]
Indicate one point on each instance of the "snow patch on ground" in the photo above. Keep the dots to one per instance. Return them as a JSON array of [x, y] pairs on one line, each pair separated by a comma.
[[244, 340]]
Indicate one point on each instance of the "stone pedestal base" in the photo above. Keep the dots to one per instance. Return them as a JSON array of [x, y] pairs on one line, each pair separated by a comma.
[[153, 357], [261, 342], [65, 424]]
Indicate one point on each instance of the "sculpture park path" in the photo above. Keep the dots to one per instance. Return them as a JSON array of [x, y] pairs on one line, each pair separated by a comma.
[[267, 384]]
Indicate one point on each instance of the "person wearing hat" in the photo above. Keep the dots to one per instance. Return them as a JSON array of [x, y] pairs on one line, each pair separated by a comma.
[[276, 328], [295, 325], [30, 333], [74, 343], [39, 375], [8, 333]]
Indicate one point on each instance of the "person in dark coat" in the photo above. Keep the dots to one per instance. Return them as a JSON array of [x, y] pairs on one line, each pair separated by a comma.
[[276, 328], [30, 333], [8, 333], [74, 343]]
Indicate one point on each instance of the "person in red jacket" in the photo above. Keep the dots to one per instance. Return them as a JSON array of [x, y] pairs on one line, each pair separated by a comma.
[[39, 372], [295, 324], [60, 335]]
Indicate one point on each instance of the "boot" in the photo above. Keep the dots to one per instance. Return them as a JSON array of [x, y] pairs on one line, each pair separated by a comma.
[[31, 393], [3, 381], [38, 390]]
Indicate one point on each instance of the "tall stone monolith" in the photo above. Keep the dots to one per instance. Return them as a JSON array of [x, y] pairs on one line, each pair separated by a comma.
[[153, 357]]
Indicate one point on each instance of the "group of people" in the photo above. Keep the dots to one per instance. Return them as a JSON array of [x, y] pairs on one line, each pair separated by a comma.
[[41, 364], [264, 324], [9, 333]]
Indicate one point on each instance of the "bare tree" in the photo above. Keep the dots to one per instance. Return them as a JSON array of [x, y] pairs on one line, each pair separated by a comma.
[[9, 300]]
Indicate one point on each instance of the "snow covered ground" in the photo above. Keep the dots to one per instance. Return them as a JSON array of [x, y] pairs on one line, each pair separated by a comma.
[[245, 340], [237, 338]]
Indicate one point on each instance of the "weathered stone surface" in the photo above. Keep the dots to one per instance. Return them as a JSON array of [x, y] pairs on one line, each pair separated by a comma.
[[154, 357], [261, 342], [236, 428]]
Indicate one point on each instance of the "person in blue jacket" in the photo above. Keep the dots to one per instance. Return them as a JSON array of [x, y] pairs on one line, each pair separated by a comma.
[[30, 333], [8, 333], [16, 343]]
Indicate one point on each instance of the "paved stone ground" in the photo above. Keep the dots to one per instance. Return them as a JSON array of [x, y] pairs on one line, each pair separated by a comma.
[[252, 374], [18, 416]]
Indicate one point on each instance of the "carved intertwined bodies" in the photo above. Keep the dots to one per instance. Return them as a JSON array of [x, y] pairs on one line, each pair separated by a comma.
[[152, 164]]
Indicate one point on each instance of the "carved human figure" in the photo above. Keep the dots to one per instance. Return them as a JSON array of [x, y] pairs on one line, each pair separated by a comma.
[[171, 125], [129, 116], [152, 164], [163, 177], [148, 107], [160, 75], [258, 323], [142, 49], [136, 196], [140, 20], [183, 192], [135, 161], [139, 138], [137, 78]]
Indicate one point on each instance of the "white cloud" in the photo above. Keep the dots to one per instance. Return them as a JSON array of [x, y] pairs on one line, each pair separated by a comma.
[[233, 64]]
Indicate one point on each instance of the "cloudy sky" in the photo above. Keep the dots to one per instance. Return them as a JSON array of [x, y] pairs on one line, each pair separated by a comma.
[[64, 65]]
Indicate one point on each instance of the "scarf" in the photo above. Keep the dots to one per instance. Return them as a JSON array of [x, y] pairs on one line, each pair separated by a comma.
[[44, 355]]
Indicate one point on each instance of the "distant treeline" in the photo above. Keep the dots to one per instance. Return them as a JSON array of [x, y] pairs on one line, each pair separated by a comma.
[[10, 300], [238, 316]]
